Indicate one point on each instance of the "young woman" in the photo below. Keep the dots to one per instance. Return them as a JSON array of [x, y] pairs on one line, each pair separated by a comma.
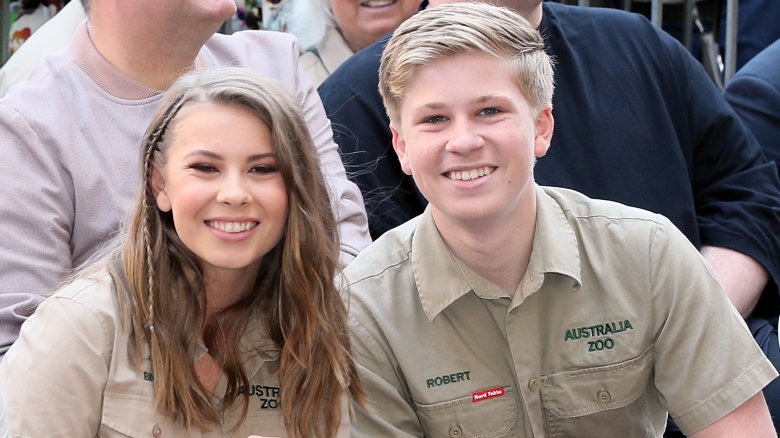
[[215, 312]]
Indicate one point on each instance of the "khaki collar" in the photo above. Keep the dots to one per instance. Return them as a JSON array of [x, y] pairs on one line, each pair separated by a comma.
[[333, 50], [256, 341], [255, 346], [441, 278], [256, 349]]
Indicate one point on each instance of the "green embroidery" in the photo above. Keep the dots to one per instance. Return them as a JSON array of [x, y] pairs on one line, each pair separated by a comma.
[[597, 330], [448, 378]]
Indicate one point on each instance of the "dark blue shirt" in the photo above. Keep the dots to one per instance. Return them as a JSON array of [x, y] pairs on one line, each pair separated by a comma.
[[754, 92]]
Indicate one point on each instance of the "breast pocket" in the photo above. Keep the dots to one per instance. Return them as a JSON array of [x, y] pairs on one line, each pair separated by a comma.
[[599, 401], [463, 417], [132, 415]]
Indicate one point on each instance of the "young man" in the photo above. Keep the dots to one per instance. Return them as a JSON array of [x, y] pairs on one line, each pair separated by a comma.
[[508, 309], [71, 133]]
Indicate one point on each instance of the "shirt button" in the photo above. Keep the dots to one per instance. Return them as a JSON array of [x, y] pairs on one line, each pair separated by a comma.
[[456, 431], [157, 430], [604, 396], [533, 384]]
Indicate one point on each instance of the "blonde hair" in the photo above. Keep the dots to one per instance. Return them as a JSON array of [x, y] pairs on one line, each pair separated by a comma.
[[451, 29], [161, 289]]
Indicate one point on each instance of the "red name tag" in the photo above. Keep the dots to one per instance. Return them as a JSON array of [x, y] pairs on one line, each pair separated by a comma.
[[487, 394]]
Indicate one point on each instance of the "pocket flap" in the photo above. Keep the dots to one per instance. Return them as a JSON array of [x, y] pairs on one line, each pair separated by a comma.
[[492, 417], [134, 415], [583, 392]]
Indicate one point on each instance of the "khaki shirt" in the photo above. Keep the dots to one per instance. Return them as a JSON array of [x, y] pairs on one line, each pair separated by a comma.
[[318, 63], [69, 375], [616, 320]]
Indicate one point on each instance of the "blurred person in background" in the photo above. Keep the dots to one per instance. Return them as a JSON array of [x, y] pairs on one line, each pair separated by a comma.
[[330, 31], [33, 15], [54, 35]]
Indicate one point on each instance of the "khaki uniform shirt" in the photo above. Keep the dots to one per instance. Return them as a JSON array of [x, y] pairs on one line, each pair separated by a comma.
[[69, 375], [616, 320]]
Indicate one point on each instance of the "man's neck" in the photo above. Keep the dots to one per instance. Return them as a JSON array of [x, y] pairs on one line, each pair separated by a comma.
[[499, 252], [150, 61]]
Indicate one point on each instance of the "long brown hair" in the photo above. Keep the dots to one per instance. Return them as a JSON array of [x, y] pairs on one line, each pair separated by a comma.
[[161, 287]]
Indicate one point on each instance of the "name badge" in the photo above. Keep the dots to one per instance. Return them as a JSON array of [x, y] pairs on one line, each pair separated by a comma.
[[486, 394]]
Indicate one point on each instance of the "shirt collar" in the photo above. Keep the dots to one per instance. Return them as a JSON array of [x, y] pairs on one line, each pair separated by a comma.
[[441, 278], [256, 341], [256, 348], [109, 78], [438, 278], [256, 345], [333, 50], [555, 248]]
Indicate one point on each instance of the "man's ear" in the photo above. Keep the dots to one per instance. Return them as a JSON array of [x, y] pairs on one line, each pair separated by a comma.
[[400, 149], [543, 128], [158, 187]]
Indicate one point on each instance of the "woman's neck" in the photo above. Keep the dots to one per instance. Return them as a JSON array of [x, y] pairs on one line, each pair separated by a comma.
[[225, 287]]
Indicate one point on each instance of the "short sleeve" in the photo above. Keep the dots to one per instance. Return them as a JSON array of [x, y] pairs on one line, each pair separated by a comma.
[[388, 412], [707, 363]]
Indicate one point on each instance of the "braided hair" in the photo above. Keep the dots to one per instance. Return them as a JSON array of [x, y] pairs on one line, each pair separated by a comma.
[[161, 287]]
